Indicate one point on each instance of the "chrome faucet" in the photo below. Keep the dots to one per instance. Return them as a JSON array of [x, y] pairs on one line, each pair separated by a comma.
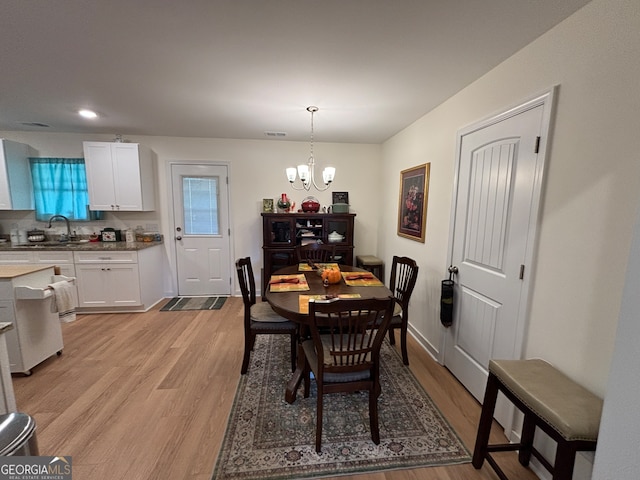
[[55, 217]]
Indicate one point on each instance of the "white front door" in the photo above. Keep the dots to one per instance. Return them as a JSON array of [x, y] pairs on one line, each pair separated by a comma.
[[499, 174], [201, 228]]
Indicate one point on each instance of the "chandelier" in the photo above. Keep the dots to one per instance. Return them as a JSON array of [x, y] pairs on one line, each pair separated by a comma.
[[306, 172]]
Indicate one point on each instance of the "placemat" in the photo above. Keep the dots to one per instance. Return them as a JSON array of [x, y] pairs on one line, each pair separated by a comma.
[[283, 283], [305, 267], [303, 300], [361, 279]]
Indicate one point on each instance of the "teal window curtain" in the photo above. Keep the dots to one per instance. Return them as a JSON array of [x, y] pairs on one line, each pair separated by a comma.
[[60, 188]]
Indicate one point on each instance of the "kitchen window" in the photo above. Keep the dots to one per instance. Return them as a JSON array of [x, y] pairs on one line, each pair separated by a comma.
[[60, 188]]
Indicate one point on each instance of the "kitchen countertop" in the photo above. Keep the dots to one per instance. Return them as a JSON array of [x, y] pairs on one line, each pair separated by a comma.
[[86, 246], [13, 271]]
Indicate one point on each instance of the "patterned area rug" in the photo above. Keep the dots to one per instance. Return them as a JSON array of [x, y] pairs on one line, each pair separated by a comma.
[[194, 303], [269, 439]]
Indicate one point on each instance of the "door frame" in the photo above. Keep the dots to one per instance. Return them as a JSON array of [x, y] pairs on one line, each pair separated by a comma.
[[546, 99], [170, 241]]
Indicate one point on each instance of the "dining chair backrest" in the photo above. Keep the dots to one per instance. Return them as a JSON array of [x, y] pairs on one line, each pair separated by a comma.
[[347, 333], [246, 281], [316, 252], [404, 273]]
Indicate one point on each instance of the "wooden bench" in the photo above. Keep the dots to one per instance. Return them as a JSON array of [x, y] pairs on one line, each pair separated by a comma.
[[551, 401]]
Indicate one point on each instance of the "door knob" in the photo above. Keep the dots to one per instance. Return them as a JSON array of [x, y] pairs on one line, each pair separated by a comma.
[[178, 237], [453, 269]]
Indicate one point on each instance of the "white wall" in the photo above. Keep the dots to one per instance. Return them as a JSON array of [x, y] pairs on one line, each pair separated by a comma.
[[617, 455], [257, 171], [592, 185]]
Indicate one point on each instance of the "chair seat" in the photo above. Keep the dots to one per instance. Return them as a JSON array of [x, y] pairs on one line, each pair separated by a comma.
[[567, 407], [262, 312]]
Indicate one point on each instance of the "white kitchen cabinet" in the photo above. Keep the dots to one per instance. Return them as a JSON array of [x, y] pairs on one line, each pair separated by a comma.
[[107, 279], [16, 189], [13, 258], [119, 281], [119, 176], [63, 259], [37, 334], [108, 285]]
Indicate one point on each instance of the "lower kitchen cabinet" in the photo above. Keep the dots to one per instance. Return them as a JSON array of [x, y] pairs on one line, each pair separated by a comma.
[[118, 280], [108, 285], [106, 281]]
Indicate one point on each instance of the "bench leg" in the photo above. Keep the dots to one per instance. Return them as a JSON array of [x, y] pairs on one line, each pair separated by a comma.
[[486, 419], [565, 460], [526, 439]]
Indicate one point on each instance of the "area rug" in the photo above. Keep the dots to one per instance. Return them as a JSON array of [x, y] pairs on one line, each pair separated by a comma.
[[193, 303], [267, 438]]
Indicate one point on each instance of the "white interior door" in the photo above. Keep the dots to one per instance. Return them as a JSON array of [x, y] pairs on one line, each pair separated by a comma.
[[201, 227], [498, 188]]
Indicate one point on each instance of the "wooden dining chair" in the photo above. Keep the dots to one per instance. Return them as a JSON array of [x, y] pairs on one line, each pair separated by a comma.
[[259, 317], [343, 352], [316, 252], [404, 273]]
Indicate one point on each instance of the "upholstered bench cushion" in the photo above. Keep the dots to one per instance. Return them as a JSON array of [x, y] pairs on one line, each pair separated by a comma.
[[567, 407], [368, 260]]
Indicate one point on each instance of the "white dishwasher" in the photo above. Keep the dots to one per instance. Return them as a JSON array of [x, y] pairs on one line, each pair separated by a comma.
[[26, 301]]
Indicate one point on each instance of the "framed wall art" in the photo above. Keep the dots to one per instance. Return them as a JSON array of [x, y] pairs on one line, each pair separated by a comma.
[[340, 197], [267, 205], [412, 208]]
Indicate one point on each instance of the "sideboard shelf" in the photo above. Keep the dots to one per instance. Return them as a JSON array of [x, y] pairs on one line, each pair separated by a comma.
[[283, 232]]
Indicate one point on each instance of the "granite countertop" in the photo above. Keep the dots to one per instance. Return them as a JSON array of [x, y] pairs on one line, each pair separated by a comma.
[[84, 246]]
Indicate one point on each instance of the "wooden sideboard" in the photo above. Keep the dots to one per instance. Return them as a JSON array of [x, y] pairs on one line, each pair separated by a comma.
[[282, 232]]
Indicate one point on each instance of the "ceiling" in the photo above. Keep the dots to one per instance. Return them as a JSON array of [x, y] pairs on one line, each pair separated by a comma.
[[240, 68]]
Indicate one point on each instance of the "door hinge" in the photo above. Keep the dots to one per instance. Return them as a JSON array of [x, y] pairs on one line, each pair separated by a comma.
[[537, 149], [521, 272], [229, 231]]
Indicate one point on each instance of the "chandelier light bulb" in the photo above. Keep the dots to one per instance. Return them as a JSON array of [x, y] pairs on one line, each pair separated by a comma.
[[307, 172]]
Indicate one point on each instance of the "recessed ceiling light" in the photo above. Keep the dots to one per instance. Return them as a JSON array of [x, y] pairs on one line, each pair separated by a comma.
[[87, 114]]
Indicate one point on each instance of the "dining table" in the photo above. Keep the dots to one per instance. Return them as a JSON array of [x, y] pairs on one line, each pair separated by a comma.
[[290, 289]]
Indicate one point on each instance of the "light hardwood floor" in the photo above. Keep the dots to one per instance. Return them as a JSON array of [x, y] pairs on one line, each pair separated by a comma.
[[146, 396]]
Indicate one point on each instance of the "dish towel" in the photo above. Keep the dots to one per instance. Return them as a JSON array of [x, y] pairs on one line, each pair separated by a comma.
[[63, 301]]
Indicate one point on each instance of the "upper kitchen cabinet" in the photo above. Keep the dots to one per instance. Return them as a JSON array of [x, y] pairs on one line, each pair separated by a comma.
[[119, 176], [16, 189]]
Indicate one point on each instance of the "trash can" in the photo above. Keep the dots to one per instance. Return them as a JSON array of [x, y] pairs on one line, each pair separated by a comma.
[[18, 435]]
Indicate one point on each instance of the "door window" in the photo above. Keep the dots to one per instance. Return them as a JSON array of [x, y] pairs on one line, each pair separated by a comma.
[[200, 205]]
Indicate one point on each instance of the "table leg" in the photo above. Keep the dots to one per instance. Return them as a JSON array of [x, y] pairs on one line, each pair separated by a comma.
[[296, 376]]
